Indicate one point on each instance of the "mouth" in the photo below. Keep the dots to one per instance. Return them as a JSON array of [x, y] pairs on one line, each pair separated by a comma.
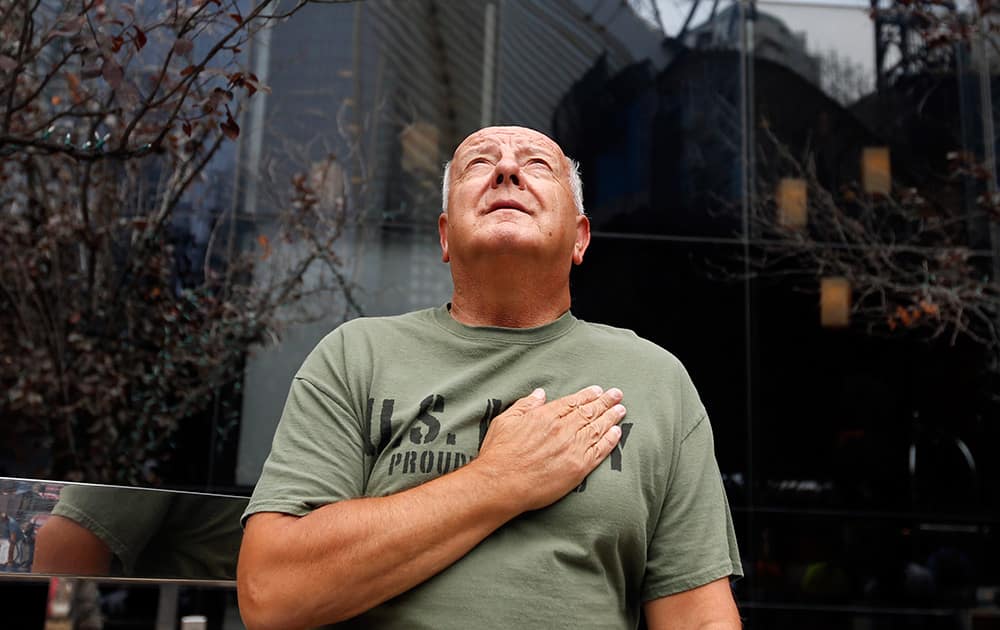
[[506, 204]]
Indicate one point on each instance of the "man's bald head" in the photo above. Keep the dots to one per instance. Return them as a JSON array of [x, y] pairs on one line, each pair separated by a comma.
[[488, 134]]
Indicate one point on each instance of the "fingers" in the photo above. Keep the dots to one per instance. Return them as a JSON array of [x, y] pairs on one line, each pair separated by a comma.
[[598, 427], [571, 403], [603, 446], [591, 411], [585, 411]]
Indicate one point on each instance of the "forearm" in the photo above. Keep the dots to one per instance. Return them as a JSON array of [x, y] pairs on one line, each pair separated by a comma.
[[347, 557]]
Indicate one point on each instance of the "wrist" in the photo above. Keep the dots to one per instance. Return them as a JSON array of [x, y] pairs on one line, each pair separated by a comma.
[[491, 486]]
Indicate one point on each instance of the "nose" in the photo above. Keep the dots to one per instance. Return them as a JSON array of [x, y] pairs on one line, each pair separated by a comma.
[[507, 170]]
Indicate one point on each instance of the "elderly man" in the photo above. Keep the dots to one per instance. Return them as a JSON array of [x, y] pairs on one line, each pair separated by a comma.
[[420, 479]]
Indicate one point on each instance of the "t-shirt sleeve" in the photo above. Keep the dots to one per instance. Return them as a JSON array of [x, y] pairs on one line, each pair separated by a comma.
[[317, 456], [126, 532], [694, 541]]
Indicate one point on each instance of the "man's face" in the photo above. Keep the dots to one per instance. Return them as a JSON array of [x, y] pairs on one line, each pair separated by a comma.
[[510, 194]]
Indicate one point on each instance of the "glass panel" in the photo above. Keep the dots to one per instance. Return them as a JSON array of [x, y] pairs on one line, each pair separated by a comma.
[[86, 530], [853, 564], [850, 420], [660, 140], [853, 221], [828, 48], [874, 491]]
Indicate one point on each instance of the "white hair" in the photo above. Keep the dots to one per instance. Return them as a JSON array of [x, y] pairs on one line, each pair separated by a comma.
[[575, 185]]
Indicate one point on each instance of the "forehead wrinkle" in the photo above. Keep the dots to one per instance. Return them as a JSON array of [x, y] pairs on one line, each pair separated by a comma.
[[475, 145]]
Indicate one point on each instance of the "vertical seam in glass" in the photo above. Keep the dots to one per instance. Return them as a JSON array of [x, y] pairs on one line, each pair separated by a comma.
[[746, 92]]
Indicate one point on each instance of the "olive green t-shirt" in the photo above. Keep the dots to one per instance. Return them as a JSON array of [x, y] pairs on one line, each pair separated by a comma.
[[385, 404]]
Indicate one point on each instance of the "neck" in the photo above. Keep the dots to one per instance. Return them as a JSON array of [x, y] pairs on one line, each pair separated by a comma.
[[508, 299]]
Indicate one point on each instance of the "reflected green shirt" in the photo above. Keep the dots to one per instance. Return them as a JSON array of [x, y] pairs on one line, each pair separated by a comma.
[[159, 533], [384, 404]]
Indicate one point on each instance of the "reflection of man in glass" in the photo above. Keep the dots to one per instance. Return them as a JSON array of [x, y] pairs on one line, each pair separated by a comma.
[[8, 538], [106, 530], [404, 490]]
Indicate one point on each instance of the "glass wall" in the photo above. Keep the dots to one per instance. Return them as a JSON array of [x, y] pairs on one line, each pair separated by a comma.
[[797, 199], [873, 499], [784, 196]]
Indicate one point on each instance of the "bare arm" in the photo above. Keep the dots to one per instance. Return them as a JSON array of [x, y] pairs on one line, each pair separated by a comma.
[[345, 558], [64, 546], [708, 607]]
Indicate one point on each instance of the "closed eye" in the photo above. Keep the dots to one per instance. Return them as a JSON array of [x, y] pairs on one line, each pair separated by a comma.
[[477, 161], [538, 162]]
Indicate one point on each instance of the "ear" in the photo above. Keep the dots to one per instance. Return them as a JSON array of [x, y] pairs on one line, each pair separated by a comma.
[[582, 238], [443, 235]]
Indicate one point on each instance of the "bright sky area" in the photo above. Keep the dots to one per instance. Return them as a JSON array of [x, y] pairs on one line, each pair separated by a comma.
[[843, 26]]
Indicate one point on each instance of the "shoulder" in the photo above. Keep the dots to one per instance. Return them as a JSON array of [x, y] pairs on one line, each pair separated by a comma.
[[375, 330], [388, 324], [358, 341], [645, 366], [628, 345]]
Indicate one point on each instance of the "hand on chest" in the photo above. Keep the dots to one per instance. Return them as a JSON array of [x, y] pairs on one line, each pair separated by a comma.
[[409, 441]]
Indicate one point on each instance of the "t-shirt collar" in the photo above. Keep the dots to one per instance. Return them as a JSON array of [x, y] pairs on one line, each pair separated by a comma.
[[537, 334]]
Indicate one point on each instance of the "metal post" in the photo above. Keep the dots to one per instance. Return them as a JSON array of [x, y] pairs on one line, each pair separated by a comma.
[[489, 65], [166, 610], [989, 136]]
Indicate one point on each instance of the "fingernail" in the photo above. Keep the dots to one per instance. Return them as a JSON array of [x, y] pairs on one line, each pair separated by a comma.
[[615, 392], [615, 431], [620, 410], [539, 393]]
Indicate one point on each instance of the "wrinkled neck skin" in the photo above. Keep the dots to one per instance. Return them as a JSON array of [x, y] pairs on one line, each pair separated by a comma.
[[508, 293]]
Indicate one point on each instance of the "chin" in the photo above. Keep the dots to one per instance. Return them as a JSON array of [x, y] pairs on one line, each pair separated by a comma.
[[513, 234]]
